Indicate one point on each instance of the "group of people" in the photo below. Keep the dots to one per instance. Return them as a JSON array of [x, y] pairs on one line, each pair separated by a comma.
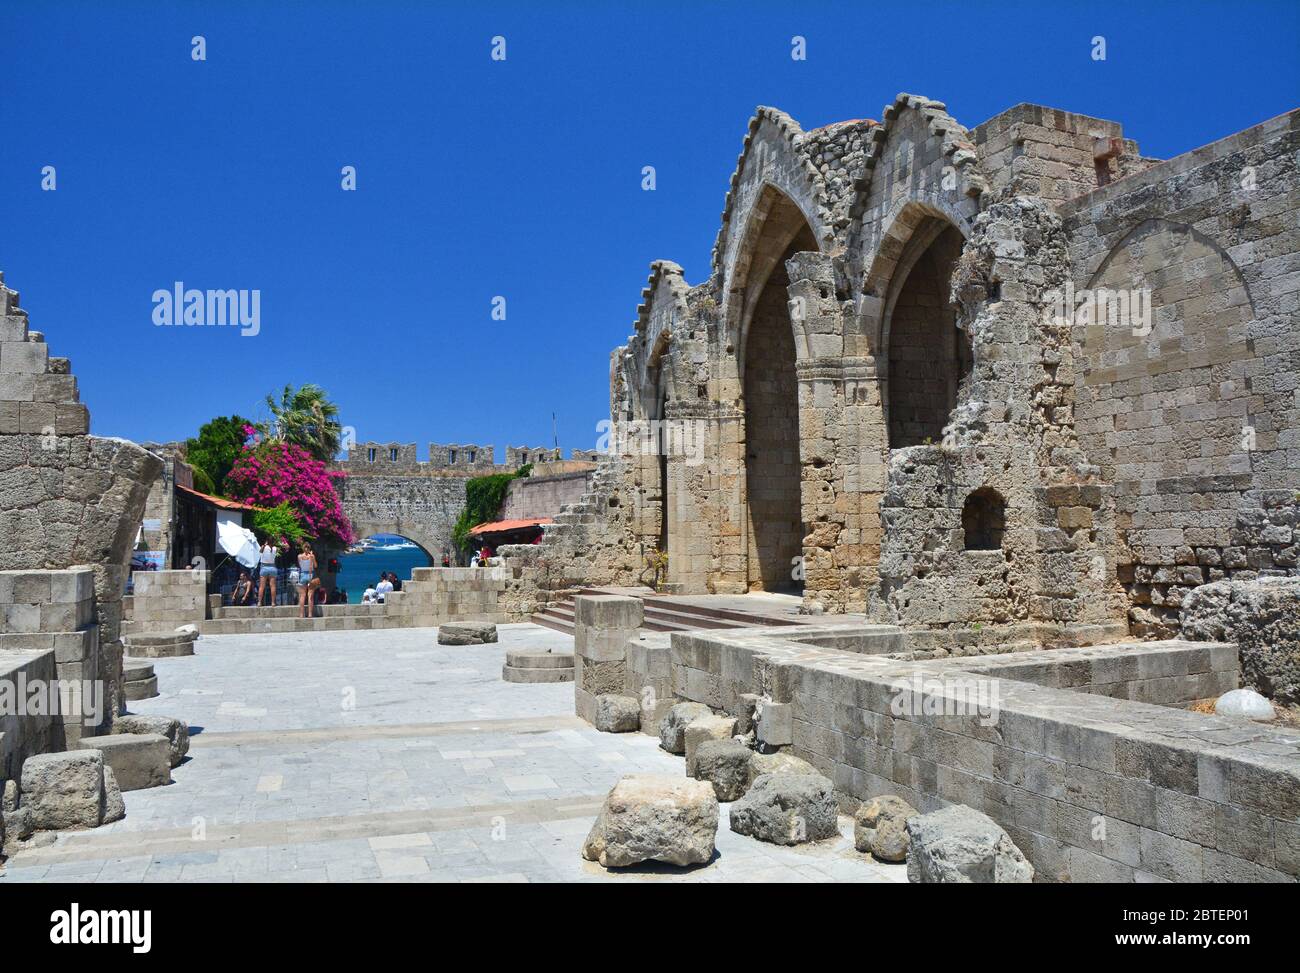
[[377, 593], [305, 579]]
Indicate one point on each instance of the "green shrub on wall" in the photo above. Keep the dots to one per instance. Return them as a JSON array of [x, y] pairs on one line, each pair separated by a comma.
[[483, 498]]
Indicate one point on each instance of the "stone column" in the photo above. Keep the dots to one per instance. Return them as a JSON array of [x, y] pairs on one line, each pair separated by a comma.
[[602, 626]]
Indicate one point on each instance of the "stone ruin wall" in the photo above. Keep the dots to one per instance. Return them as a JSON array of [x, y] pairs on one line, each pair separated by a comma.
[[1041, 199], [67, 499]]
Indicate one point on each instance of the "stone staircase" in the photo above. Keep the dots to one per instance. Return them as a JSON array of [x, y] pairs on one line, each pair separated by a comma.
[[663, 613]]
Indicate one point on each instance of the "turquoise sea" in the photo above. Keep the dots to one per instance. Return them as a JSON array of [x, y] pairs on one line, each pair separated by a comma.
[[396, 554]]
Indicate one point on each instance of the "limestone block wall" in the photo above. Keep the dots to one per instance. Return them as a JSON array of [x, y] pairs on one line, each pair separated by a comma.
[[48, 631], [435, 595], [1063, 749], [1194, 415], [602, 628], [164, 600], [543, 496]]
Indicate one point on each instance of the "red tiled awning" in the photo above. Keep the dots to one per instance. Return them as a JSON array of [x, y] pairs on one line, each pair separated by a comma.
[[501, 526], [220, 502]]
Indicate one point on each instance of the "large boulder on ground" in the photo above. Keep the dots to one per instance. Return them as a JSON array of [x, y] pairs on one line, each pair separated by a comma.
[[880, 827], [703, 729], [64, 791], [176, 732], [959, 844], [672, 728], [724, 764], [780, 762], [17, 826], [646, 818], [787, 809], [1263, 617], [466, 633], [1244, 703], [617, 714]]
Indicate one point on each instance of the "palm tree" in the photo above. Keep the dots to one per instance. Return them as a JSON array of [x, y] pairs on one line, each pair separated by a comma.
[[306, 417]]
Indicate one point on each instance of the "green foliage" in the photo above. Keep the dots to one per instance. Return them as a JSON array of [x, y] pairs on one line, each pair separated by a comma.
[[279, 524], [216, 448], [203, 483], [306, 417], [483, 496]]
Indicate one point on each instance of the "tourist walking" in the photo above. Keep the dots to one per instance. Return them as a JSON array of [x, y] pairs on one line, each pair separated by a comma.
[[307, 581], [267, 571], [383, 588]]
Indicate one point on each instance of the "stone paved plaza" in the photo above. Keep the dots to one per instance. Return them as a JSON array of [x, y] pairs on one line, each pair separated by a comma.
[[362, 756]]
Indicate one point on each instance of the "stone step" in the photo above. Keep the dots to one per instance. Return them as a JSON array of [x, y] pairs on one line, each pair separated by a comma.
[[533, 659], [514, 674]]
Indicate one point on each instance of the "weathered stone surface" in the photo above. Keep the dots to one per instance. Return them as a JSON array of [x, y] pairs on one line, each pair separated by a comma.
[[139, 760], [1244, 703], [787, 809], [176, 732], [1263, 617], [777, 763], [18, 826], [114, 805], [617, 714], [10, 796], [958, 844], [672, 728], [880, 827], [705, 728], [466, 633], [646, 818], [64, 791], [724, 764]]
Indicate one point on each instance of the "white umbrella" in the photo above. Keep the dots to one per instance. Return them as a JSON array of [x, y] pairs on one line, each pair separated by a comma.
[[239, 542]]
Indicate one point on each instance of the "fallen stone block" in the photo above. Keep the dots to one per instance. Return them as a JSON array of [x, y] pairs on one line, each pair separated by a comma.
[[724, 764], [466, 633], [134, 690], [880, 827], [777, 763], [10, 802], [959, 844], [617, 714], [646, 818], [787, 809], [63, 791], [139, 760], [706, 728], [672, 728], [774, 723], [176, 732], [114, 805]]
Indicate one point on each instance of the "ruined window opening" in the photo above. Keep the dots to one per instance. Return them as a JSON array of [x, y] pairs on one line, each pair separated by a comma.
[[983, 519], [451, 457], [392, 455], [470, 457], [370, 456]]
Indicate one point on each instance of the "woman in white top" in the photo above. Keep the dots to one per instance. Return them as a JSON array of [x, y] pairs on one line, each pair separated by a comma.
[[267, 571], [382, 589]]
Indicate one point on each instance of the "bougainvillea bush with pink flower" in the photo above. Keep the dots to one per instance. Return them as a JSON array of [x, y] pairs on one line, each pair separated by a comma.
[[273, 472]]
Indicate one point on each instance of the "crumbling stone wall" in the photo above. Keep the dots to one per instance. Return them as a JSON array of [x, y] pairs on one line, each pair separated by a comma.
[[66, 498], [916, 224]]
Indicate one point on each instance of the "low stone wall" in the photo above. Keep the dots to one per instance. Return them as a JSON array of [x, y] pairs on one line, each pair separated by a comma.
[[48, 630], [21, 734], [164, 600], [1065, 749]]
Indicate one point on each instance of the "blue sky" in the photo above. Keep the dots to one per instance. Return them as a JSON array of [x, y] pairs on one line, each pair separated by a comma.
[[479, 178]]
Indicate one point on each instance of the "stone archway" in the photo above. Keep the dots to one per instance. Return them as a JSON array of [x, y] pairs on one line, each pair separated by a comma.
[[926, 354], [774, 526]]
